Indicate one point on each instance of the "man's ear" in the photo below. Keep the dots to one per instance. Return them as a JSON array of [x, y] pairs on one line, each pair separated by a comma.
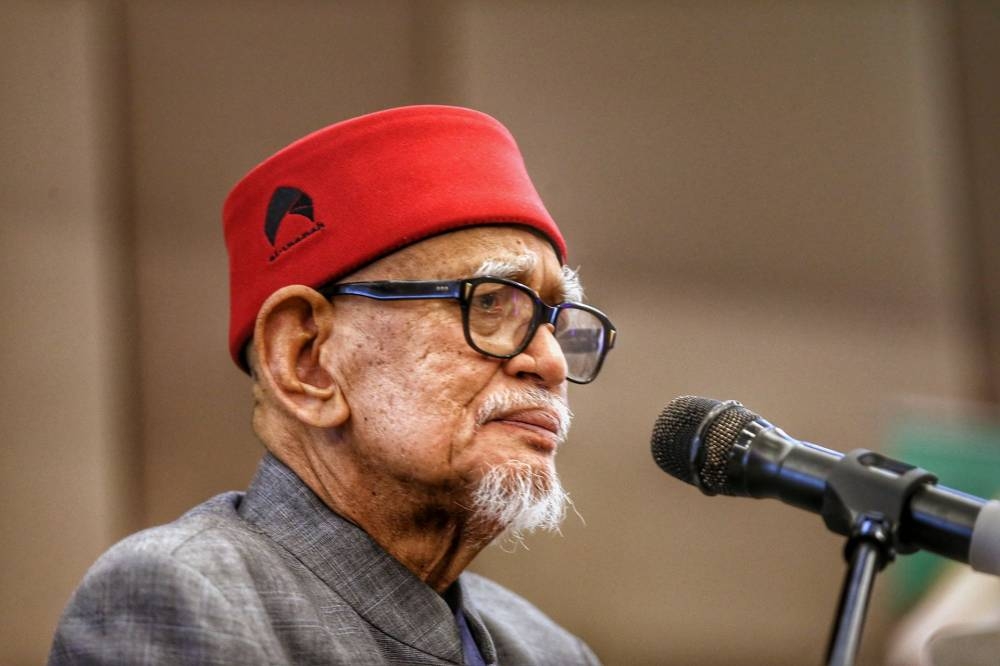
[[291, 327]]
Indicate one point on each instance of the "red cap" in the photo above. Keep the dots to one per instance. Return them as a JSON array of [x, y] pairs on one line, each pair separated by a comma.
[[363, 188]]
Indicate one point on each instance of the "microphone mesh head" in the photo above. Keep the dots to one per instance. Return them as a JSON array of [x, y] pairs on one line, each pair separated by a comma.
[[676, 426], [674, 437]]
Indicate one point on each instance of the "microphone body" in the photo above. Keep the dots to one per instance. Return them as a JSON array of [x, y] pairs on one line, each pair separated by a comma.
[[723, 448], [768, 463]]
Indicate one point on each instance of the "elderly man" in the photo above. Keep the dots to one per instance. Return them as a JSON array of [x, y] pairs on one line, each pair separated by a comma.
[[400, 300]]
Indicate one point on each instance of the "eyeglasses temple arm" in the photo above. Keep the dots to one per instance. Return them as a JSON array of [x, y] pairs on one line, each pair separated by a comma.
[[397, 290]]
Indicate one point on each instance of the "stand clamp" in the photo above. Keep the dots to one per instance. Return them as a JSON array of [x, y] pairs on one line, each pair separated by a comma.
[[865, 497]]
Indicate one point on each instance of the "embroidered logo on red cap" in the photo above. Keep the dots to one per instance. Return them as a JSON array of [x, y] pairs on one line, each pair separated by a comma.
[[289, 203]]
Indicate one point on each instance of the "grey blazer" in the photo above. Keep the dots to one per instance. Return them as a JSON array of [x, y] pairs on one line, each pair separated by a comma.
[[273, 576]]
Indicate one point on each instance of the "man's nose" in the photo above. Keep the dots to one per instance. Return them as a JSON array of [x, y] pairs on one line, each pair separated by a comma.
[[543, 359]]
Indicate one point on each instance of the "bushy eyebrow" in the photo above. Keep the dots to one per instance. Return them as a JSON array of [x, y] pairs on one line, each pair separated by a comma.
[[517, 268], [571, 286], [569, 289]]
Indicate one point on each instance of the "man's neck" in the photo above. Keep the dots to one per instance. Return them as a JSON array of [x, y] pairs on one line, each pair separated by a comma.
[[433, 538]]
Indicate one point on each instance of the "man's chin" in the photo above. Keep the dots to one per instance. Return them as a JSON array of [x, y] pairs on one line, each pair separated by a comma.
[[517, 497]]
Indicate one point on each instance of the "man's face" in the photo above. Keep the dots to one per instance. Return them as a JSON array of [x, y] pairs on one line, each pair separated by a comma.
[[417, 391]]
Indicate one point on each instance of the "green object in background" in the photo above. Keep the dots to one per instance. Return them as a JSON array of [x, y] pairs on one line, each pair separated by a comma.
[[965, 455]]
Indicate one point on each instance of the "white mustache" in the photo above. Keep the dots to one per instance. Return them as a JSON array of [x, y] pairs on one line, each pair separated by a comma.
[[510, 401]]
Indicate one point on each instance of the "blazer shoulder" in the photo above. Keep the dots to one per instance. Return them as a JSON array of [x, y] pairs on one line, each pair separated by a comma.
[[172, 560], [210, 546], [144, 601]]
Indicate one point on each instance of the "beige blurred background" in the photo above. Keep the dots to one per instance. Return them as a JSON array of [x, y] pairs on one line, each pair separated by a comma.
[[795, 204]]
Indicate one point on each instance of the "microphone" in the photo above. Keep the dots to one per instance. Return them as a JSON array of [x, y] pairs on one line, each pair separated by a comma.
[[725, 449]]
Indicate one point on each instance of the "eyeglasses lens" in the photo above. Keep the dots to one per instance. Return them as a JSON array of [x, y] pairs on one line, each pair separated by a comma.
[[581, 337], [499, 317]]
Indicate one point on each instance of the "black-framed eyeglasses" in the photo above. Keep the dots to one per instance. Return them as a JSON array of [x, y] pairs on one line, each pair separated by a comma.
[[500, 317]]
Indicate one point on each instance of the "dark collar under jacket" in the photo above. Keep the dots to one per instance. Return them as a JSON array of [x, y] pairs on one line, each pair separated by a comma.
[[356, 568]]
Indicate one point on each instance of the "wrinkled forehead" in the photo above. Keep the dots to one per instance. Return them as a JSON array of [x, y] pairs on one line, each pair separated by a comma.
[[510, 252]]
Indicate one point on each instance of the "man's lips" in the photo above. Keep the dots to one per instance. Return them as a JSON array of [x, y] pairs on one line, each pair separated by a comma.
[[538, 421]]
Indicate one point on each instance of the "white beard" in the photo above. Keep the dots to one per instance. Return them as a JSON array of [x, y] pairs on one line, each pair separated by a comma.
[[518, 500]]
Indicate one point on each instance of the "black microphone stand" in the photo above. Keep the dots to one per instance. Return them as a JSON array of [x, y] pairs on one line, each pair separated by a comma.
[[865, 497]]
